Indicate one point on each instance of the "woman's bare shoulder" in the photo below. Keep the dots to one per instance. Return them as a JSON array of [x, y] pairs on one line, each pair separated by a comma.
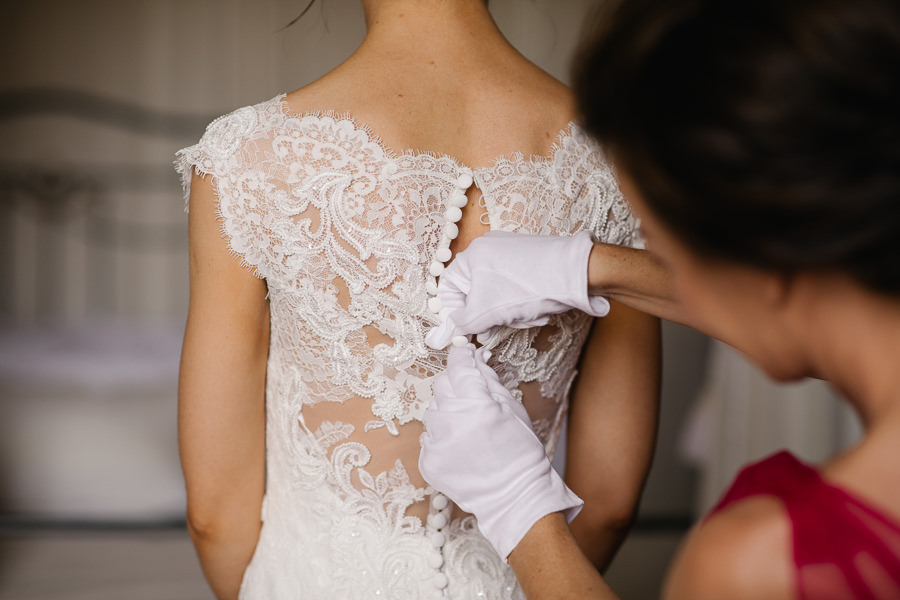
[[742, 553]]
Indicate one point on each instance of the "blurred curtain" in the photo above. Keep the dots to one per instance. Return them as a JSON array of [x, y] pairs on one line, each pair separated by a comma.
[[742, 416]]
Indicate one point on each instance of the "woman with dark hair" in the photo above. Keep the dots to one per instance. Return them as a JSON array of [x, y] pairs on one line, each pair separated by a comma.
[[759, 142], [315, 250]]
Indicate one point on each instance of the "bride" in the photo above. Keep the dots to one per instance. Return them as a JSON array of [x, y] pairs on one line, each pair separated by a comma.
[[320, 222]]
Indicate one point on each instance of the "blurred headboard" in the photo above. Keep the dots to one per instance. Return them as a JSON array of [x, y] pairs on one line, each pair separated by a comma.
[[95, 226]]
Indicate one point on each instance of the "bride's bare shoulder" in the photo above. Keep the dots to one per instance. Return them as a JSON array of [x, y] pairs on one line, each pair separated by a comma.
[[329, 92], [505, 100]]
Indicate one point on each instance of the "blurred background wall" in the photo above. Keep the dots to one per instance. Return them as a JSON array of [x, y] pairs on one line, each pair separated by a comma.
[[95, 98]]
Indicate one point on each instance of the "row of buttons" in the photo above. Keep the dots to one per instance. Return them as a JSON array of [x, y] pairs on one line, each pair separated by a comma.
[[437, 521], [452, 215]]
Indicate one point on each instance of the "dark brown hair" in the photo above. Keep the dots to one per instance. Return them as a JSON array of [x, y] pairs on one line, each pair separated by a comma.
[[762, 131]]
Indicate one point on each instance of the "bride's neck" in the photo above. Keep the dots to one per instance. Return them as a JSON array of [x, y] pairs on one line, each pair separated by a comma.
[[430, 26]]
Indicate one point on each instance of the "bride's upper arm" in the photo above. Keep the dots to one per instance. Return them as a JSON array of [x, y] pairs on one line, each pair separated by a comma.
[[612, 424], [222, 379]]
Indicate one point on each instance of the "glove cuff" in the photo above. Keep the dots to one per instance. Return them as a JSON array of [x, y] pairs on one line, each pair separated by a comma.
[[580, 248], [548, 494]]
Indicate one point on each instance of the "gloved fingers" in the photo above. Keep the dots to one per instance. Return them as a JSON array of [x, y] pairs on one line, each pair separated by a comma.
[[498, 391], [430, 459], [440, 336], [495, 387], [487, 338], [483, 312], [599, 306], [450, 396], [460, 358], [454, 284], [512, 408], [486, 326], [466, 319], [443, 391], [481, 356], [428, 420], [458, 323], [525, 312], [453, 290], [441, 426], [424, 457], [451, 418], [467, 381], [538, 322]]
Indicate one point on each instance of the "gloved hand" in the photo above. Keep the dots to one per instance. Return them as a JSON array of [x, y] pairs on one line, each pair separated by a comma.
[[480, 450], [514, 279]]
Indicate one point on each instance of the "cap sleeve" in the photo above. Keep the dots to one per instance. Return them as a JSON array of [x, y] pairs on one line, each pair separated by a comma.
[[614, 221], [224, 153], [216, 152]]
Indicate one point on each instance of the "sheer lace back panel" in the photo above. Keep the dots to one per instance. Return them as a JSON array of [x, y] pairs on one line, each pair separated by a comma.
[[349, 237]]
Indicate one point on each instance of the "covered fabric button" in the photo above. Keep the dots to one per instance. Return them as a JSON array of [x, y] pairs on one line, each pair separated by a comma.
[[436, 560], [440, 581], [459, 200], [440, 501], [438, 539], [459, 340], [431, 287], [464, 181], [436, 268], [451, 231], [438, 520], [453, 214], [443, 254], [435, 305]]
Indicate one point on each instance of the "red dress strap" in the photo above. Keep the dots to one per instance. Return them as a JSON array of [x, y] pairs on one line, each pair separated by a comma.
[[844, 549]]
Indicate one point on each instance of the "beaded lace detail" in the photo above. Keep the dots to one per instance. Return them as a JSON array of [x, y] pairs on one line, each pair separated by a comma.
[[350, 238]]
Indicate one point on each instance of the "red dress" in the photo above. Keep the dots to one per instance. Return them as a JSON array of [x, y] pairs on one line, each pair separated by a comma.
[[844, 549]]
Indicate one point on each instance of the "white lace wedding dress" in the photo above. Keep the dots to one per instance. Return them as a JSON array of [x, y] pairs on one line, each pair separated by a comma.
[[350, 237]]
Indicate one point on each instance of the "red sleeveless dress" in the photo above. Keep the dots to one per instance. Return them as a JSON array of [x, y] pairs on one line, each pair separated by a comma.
[[844, 549]]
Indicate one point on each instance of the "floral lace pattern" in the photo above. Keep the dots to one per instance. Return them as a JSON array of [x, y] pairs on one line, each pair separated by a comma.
[[343, 230]]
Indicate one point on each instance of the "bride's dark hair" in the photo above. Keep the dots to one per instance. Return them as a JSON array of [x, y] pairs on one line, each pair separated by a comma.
[[762, 131]]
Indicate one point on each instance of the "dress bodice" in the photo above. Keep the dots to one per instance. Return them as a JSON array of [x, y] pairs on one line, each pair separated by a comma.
[[349, 237]]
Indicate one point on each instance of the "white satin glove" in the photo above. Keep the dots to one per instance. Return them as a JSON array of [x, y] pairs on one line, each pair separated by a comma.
[[480, 450], [516, 280]]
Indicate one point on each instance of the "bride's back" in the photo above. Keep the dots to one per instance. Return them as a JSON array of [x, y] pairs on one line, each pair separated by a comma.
[[455, 90], [348, 196]]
